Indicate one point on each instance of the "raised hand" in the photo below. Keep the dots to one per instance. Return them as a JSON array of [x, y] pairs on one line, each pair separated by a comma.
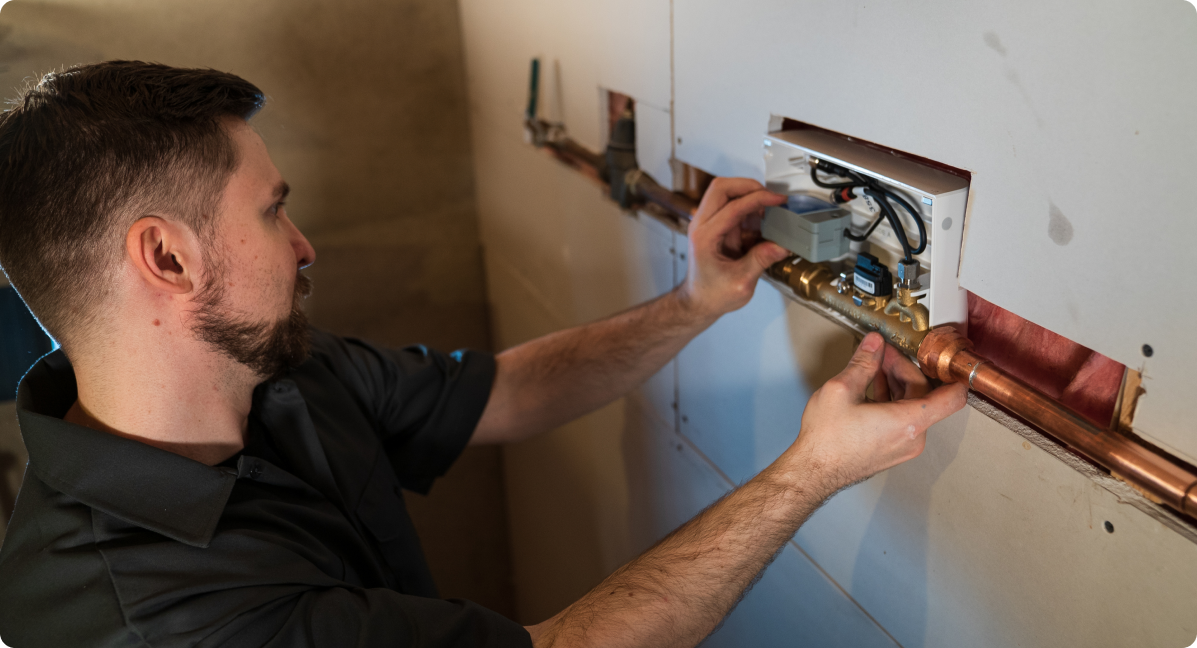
[[727, 255]]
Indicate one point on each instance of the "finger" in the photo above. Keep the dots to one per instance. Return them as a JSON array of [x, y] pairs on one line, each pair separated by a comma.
[[863, 365], [720, 192], [923, 412], [897, 388], [731, 215], [881, 388], [902, 371], [733, 244], [759, 258]]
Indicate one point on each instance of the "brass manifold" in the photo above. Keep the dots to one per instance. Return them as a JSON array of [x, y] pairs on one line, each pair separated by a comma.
[[900, 318]]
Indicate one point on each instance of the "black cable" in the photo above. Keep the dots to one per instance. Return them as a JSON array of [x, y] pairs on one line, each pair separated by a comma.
[[879, 193], [868, 232], [894, 222], [814, 175], [918, 220]]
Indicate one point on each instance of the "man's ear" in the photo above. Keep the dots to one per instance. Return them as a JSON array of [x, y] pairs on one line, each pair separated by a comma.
[[165, 254]]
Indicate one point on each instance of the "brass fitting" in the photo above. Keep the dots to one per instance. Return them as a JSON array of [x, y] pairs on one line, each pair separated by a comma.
[[906, 307], [900, 319]]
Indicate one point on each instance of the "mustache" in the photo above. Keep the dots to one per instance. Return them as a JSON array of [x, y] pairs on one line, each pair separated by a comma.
[[303, 286]]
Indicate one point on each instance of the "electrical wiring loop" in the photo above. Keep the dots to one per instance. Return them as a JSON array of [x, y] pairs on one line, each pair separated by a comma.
[[882, 196]]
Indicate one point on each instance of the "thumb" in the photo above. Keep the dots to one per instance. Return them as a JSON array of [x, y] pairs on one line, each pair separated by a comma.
[[864, 365], [760, 257]]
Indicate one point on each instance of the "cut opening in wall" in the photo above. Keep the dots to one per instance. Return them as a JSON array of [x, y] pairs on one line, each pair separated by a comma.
[[871, 213]]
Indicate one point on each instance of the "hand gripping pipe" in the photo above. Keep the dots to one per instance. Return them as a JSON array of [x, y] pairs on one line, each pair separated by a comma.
[[942, 353], [946, 355]]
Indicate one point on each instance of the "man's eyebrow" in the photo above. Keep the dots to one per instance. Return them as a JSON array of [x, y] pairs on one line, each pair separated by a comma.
[[282, 190]]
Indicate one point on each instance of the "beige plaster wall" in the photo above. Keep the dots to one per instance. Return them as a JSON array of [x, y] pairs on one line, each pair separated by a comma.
[[367, 121]]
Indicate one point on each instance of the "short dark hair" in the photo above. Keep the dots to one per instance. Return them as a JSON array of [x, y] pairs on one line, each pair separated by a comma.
[[87, 152]]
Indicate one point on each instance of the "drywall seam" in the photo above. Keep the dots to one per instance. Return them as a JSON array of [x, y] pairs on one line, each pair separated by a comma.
[[732, 485]]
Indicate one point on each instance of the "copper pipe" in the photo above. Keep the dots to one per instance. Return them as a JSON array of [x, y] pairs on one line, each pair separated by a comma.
[[577, 156], [946, 355], [678, 205]]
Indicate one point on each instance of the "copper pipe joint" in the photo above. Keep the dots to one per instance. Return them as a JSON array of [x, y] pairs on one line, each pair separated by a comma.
[[948, 356], [679, 206]]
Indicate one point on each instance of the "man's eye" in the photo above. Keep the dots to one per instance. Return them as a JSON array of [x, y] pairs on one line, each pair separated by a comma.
[[277, 206]]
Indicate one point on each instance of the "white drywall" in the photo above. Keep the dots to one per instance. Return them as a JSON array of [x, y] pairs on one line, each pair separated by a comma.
[[982, 541], [1075, 117]]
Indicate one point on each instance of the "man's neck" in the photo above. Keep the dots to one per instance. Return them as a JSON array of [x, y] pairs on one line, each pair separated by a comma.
[[183, 399]]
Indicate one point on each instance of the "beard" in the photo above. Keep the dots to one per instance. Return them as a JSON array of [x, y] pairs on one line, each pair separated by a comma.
[[268, 349]]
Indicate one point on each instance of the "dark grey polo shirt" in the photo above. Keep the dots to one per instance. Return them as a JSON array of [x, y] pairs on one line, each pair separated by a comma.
[[300, 540]]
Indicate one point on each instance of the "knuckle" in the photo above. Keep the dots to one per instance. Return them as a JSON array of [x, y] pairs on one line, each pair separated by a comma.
[[917, 448], [862, 362], [835, 387]]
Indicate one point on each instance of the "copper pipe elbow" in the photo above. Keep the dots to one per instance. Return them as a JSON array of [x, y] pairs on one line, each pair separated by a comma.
[[948, 356]]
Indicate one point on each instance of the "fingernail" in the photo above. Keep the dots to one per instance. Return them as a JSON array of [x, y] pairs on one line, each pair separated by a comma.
[[871, 342]]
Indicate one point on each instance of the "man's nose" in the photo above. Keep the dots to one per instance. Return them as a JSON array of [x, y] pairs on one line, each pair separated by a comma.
[[305, 254]]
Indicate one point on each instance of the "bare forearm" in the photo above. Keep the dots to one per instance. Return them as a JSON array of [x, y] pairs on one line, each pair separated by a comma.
[[552, 380], [677, 592]]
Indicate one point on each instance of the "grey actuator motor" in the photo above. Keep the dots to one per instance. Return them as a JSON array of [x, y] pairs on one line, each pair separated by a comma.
[[811, 228]]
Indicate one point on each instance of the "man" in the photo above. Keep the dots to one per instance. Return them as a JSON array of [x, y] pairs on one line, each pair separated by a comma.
[[204, 470]]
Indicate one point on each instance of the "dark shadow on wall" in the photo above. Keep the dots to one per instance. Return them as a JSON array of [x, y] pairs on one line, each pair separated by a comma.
[[8, 497], [22, 341]]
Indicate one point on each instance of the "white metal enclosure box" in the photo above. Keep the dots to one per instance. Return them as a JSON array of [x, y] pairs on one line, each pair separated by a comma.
[[939, 197]]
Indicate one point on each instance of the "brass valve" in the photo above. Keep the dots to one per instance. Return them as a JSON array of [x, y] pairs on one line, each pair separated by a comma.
[[899, 318]]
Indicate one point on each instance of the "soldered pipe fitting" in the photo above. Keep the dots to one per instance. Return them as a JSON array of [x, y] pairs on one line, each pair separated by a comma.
[[948, 356]]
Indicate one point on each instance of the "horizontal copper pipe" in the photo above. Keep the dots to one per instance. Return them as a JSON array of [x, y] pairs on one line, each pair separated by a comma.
[[577, 156], [677, 205], [946, 355]]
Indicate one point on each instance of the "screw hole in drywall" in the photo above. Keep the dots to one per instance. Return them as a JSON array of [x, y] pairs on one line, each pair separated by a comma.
[[1109, 526], [1147, 350]]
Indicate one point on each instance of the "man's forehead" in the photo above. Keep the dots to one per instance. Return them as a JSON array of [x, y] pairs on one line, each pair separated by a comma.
[[256, 176]]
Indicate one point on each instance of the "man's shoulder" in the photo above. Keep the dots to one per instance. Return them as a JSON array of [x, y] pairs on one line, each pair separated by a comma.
[[327, 344], [55, 588], [336, 352]]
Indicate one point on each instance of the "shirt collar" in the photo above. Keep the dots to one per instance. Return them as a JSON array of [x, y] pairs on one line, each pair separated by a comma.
[[163, 492]]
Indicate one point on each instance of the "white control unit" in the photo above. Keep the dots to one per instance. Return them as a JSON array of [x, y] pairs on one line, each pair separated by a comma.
[[940, 198]]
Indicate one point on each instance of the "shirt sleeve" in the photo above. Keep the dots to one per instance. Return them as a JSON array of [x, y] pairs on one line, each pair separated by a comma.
[[425, 403], [246, 590], [369, 618]]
